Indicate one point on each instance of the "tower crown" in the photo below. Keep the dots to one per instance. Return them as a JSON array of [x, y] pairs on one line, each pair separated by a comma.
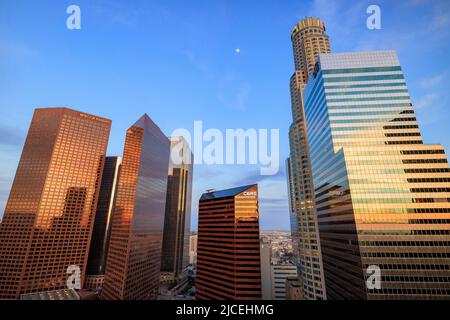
[[308, 22]]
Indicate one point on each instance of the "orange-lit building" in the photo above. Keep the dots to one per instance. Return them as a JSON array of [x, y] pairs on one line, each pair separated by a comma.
[[50, 212], [134, 256], [228, 251]]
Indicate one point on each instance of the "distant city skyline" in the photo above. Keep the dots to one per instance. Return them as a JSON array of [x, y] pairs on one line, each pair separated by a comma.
[[131, 58]]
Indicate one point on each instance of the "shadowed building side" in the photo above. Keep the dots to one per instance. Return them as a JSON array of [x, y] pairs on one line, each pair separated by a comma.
[[177, 223], [95, 272]]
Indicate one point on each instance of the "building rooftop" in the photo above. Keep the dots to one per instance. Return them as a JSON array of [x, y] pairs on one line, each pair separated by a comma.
[[146, 122], [359, 59], [224, 193], [64, 294]]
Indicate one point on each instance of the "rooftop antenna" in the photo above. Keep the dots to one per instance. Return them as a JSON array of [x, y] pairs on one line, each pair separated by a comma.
[[210, 190]]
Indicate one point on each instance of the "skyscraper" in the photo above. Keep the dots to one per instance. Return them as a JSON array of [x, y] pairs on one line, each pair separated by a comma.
[[309, 39], [134, 258], [382, 196], [228, 253], [177, 223], [95, 272], [50, 213]]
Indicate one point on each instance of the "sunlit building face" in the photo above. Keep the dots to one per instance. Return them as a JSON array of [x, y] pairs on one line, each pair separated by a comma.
[[134, 256], [51, 208], [228, 250], [382, 196]]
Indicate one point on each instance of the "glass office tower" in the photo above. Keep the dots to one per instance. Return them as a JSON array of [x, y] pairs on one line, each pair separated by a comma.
[[134, 258], [177, 223], [50, 212], [382, 196], [95, 272]]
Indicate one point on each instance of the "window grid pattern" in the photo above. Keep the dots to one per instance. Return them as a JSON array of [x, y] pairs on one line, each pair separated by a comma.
[[382, 196], [309, 39], [50, 212]]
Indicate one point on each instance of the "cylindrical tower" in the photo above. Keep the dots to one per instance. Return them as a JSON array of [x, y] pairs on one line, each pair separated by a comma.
[[309, 39]]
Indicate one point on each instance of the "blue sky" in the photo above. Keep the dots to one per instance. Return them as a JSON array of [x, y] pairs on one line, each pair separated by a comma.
[[177, 61]]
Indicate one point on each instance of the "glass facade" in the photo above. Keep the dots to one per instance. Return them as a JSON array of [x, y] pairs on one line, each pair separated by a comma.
[[177, 223], [382, 196], [134, 258], [102, 227], [228, 250], [50, 213]]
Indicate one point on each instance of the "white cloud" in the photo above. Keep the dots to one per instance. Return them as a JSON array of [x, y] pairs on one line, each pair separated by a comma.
[[441, 19], [232, 93], [426, 101], [16, 50], [338, 16], [416, 2], [431, 82], [201, 64]]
